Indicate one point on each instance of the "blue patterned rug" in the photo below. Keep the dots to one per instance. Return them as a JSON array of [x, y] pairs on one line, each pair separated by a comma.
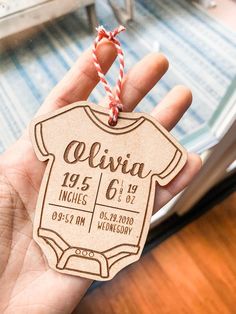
[[201, 52]]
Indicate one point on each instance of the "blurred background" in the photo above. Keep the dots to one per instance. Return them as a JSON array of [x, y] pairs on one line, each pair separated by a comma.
[[40, 40]]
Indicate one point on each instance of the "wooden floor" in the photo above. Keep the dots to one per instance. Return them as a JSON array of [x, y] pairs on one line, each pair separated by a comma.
[[194, 271]]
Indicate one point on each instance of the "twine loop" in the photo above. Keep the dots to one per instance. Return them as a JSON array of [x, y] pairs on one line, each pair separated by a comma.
[[115, 104]]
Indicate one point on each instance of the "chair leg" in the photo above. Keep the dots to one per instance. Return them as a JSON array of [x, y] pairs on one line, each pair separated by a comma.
[[92, 16]]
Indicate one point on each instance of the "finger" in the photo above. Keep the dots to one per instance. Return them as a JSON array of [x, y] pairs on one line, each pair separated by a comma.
[[140, 80], [173, 106], [166, 193], [81, 79]]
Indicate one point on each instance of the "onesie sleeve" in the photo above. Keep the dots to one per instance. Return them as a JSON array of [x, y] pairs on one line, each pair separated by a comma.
[[40, 135], [50, 132], [39, 139], [173, 166], [168, 156]]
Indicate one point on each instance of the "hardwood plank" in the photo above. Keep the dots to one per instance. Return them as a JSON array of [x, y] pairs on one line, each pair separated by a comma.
[[194, 271]]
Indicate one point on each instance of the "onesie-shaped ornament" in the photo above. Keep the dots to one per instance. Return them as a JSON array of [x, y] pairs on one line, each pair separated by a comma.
[[97, 193]]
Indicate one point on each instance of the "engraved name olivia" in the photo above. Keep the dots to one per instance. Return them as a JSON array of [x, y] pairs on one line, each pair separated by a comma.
[[76, 151]]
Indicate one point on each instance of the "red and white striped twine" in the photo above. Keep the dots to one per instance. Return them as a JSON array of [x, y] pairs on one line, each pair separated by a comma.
[[115, 104]]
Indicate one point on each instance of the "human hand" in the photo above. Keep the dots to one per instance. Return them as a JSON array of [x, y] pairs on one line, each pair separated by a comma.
[[27, 284]]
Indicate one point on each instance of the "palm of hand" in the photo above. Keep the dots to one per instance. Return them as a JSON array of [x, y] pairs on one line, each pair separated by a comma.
[[25, 276], [26, 282]]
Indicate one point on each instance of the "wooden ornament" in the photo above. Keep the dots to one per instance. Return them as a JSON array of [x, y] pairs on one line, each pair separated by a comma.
[[97, 193]]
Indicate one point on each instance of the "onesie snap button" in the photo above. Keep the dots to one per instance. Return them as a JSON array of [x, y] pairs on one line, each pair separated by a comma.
[[84, 253]]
